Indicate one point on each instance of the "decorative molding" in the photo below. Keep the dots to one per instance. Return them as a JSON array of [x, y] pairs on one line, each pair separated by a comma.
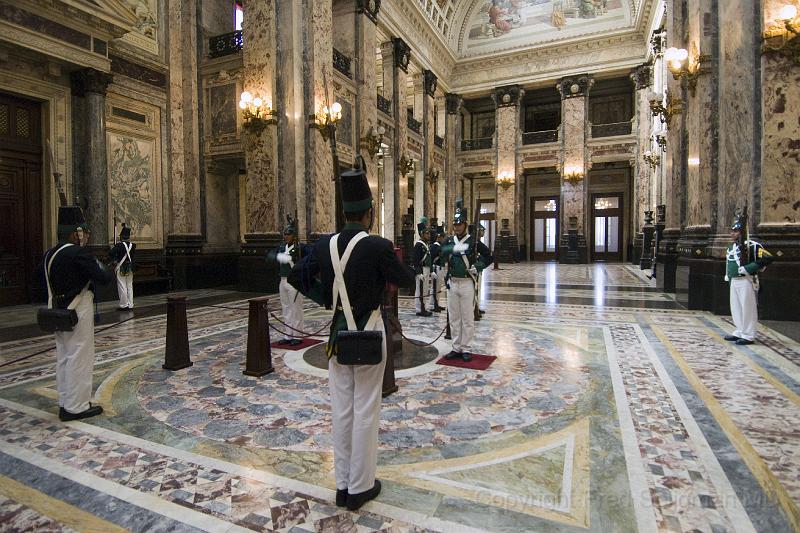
[[137, 72], [402, 54], [370, 8], [430, 82], [574, 86], [507, 96]]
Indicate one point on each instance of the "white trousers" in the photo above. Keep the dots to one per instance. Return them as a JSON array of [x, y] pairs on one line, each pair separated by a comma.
[[292, 307], [461, 308], [744, 308], [125, 290], [434, 299], [419, 297], [356, 409], [75, 358]]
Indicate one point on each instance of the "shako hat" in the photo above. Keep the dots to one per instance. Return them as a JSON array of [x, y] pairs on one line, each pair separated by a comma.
[[738, 223], [125, 232], [422, 225], [356, 194], [460, 215], [291, 226], [70, 218]]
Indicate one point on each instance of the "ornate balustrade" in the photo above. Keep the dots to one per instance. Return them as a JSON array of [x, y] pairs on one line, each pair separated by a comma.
[[610, 130], [540, 137], [385, 105], [225, 44], [476, 144], [342, 63]]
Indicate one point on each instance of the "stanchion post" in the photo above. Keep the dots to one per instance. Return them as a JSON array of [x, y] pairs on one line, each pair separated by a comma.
[[259, 352], [176, 353], [394, 333]]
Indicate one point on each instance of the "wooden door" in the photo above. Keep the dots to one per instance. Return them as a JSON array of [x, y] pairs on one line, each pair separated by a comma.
[[607, 211], [20, 199], [544, 228]]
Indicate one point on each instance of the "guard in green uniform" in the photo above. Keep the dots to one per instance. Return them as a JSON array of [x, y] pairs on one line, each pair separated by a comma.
[[465, 258], [422, 262], [745, 259], [437, 234]]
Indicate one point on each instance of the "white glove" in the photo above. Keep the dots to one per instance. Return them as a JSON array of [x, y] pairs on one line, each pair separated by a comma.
[[284, 258], [742, 271], [433, 275], [460, 247], [727, 278], [473, 270]]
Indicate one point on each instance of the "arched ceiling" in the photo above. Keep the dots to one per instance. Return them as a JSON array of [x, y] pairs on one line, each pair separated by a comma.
[[474, 28]]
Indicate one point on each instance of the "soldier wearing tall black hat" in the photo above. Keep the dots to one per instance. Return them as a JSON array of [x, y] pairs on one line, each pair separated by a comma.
[[465, 258], [287, 255], [358, 274], [122, 254], [437, 233], [71, 272], [745, 259], [489, 261], [422, 262]]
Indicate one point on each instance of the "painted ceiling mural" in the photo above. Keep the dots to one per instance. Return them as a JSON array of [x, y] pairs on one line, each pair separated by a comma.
[[498, 25]]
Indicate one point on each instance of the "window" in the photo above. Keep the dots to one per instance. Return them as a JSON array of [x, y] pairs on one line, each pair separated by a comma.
[[238, 15]]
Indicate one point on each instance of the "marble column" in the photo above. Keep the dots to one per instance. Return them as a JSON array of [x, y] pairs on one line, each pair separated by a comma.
[[320, 191], [452, 142], [642, 77], [419, 165], [430, 82], [184, 234], [90, 158], [507, 100], [674, 165], [390, 173], [401, 55], [441, 132], [366, 109], [574, 118], [776, 211]]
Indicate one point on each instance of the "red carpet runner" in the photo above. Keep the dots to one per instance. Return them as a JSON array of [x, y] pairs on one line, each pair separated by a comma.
[[305, 344], [479, 362]]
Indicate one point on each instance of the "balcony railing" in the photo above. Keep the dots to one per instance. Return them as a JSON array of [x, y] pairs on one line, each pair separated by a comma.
[[610, 130], [225, 44], [438, 141], [483, 143], [540, 137], [341, 63], [385, 105], [414, 124]]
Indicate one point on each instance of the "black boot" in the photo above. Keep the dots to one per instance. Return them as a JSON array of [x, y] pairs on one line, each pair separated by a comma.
[[66, 416], [731, 338], [355, 501], [341, 497]]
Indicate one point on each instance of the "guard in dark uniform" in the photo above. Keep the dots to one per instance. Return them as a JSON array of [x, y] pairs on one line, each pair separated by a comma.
[[464, 262], [122, 254], [71, 272], [489, 261], [355, 389], [422, 262], [436, 270], [287, 255]]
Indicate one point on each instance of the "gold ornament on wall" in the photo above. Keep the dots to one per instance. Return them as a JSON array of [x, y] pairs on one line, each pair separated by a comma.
[[682, 66], [371, 142], [783, 35], [505, 179], [325, 120], [257, 113]]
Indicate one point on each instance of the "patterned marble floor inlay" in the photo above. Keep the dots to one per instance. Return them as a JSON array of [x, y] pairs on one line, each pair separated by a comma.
[[614, 412]]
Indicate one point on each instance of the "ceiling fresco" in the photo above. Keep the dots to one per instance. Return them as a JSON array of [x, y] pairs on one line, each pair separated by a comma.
[[492, 26]]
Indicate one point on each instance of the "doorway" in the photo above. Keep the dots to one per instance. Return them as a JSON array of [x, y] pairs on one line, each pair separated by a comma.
[[544, 223], [487, 217], [607, 227], [20, 198]]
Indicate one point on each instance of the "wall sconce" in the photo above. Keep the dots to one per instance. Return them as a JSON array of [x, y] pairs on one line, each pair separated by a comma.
[[782, 37], [505, 179], [325, 120], [661, 141], [651, 159], [256, 113], [674, 106], [573, 175], [371, 142], [681, 66], [433, 175], [405, 165]]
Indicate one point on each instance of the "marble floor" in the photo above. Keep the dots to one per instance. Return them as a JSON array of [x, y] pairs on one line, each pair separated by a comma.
[[609, 408]]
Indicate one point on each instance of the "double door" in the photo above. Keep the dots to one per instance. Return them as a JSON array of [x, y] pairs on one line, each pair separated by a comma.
[[545, 228], [607, 227]]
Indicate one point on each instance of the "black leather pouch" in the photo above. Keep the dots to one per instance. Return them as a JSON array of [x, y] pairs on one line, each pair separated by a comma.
[[359, 347], [52, 320]]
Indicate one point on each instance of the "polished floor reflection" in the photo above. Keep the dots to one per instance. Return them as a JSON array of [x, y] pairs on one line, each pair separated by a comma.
[[609, 408]]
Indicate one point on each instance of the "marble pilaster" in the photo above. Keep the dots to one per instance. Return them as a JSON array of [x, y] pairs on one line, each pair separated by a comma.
[[318, 93], [506, 100], [367, 98], [419, 166], [91, 178], [401, 55], [184, 127], [574, 94], [259, 32], [452, 141], [390, 174], [643, 172], [428, 131]]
